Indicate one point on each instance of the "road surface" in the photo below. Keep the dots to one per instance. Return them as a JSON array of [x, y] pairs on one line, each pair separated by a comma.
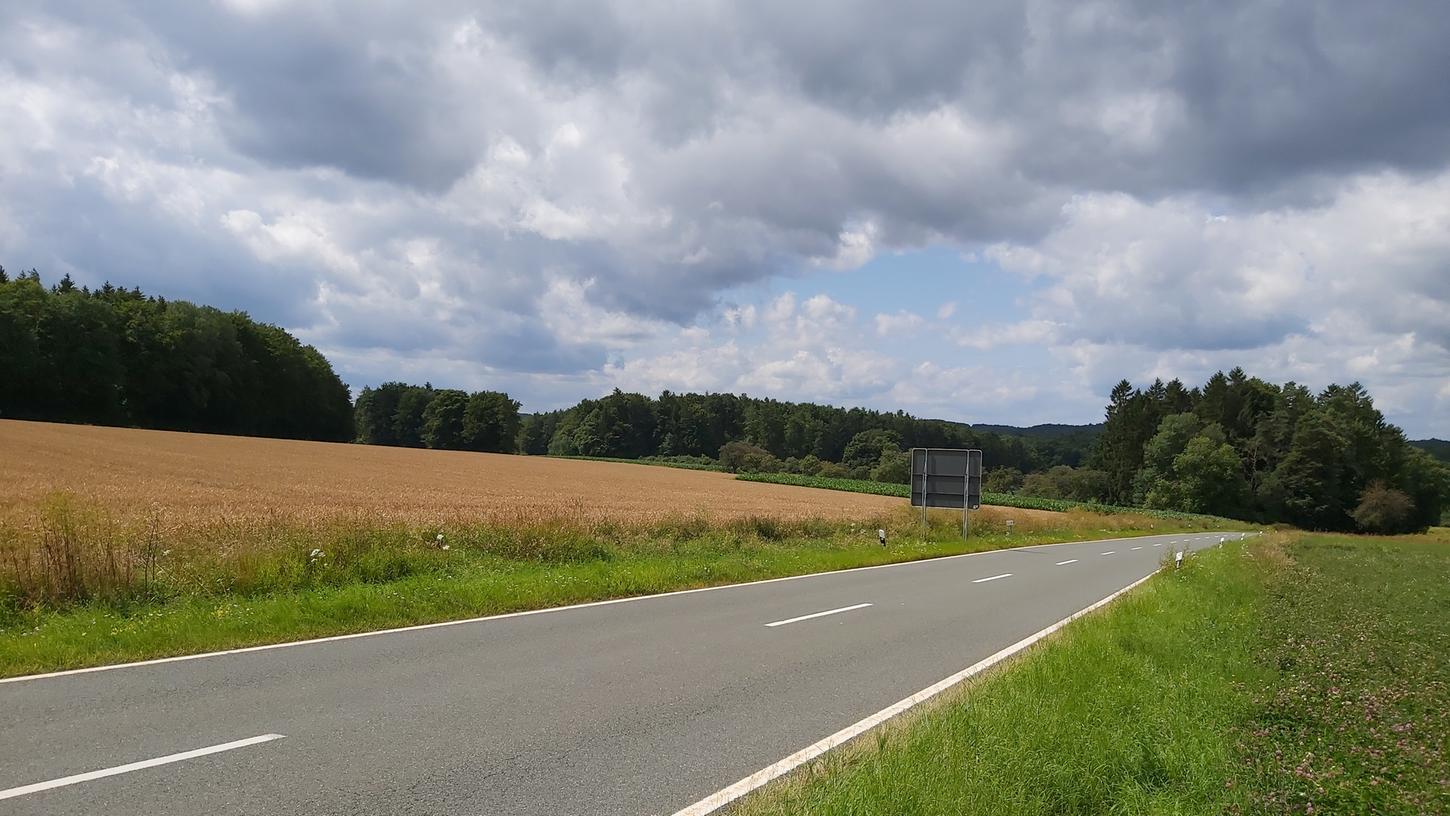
[[637, 707]]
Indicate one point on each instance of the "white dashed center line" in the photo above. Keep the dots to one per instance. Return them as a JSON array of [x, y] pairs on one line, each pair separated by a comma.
[[818, 614], [993, 578], [135, 766], [1068, 561]]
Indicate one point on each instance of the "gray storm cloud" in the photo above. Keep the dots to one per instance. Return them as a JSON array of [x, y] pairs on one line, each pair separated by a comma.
[[414, 177]]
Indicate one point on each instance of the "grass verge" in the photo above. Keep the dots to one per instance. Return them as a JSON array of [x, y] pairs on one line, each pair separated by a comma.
[[994, 499], [1358, 720], [78, 588], [1288, 674]]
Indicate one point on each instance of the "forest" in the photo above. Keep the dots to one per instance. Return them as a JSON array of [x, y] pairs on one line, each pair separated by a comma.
[[1246, 448], [421, 416], [113, 356], [1237, 446], [770, 434]]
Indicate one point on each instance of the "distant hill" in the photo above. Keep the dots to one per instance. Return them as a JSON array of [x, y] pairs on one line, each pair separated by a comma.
[[1438, 448], [1044, 431]]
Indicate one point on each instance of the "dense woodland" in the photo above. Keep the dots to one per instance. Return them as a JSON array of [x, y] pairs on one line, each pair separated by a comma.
[[115, 356], [1243, 447], [784, 436], [421, 416], [1237, 446]]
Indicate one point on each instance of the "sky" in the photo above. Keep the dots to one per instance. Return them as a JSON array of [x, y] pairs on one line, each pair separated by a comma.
[[987, 212]]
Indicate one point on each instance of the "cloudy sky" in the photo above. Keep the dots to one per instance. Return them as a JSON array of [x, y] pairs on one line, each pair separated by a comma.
[[977, 211]]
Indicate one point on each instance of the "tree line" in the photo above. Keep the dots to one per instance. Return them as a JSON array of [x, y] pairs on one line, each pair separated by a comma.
[[766, 434], [116, 356], [1246, 448], [415, 416]]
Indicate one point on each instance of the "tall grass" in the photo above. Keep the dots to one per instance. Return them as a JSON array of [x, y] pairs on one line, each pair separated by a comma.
[[66, 552], [80, 585]]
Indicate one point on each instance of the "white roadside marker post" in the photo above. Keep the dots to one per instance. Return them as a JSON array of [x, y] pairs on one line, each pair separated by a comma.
[[1178, 560], [881, 534]]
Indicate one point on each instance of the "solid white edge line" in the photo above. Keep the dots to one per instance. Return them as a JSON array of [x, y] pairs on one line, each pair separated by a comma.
[[992, 578], [818, 614], [135, 766], [725, 796], [1068, 561], [438, 625]]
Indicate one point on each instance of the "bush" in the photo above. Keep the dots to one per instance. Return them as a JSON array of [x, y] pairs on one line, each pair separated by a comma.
[[1002, 480], [743, 457], [1064, 482], [1383, 509]]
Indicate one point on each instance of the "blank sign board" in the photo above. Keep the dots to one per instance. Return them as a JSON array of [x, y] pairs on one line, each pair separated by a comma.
[[946, 477]]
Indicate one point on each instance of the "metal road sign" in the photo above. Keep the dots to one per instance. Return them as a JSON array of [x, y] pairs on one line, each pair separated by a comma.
[[947, 477]]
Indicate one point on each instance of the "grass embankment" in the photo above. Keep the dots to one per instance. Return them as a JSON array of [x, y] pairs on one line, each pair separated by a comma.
[[79, 587], [1286, 674], [994, 499]]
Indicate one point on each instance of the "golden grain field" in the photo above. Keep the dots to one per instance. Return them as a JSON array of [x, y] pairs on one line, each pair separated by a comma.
[[204, 477]]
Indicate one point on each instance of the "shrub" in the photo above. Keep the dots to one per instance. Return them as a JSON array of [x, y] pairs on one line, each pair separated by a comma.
[[1002, 480], [1383, 509], [743, 457]]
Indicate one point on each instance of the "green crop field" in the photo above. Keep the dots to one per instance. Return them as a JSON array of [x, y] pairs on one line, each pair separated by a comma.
[[995, 499]]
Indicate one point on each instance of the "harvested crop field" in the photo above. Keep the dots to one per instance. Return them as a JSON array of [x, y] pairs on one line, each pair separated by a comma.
[[201, 477]]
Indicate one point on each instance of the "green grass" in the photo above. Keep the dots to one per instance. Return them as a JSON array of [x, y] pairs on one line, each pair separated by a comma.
[[1281, 675], [995, 499], [243, 586], [1358, 720]]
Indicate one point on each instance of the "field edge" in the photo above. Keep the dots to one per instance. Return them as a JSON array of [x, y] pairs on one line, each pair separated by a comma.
[[91, 636]]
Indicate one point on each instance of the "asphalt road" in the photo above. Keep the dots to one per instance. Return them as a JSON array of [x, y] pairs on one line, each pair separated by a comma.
[[638, 707]]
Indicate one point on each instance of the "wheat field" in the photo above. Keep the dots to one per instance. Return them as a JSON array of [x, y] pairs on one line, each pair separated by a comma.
[[204, 477]]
